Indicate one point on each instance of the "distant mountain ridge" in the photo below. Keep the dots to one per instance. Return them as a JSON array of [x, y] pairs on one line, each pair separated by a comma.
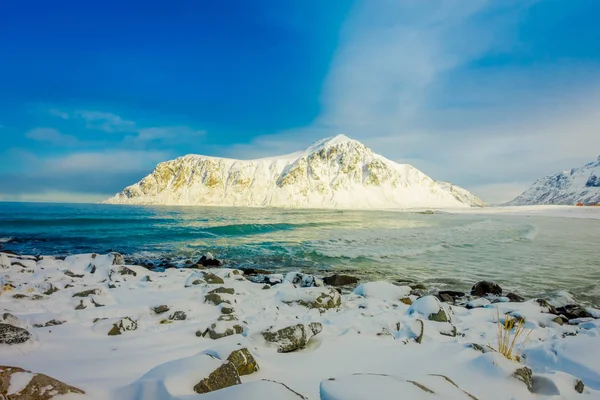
[[335, 172], [577, 185]]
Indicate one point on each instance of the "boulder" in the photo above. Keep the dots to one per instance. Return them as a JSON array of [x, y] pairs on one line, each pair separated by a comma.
[[227, 310], [52, 322], [220, 330], [244, 362], [213, 279], [452, 294], [340, 280], [118, 258], [303, 280], [485, 288], [574, 311], [263, 390], [215, 299], [20, 384], [209, 260], [382, 290], [127, 271], [293, 337], [161, 309], [579, 386], [10, 334], [545, 306], [224, 376], [10, 319], [430, 307], [515, 298], [125, 324]]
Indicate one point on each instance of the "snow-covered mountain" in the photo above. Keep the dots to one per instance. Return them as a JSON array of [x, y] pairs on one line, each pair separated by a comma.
[[578, 185], [336, 172]]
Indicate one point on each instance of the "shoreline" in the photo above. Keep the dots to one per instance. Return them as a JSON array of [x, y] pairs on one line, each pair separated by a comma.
[[299, 332]]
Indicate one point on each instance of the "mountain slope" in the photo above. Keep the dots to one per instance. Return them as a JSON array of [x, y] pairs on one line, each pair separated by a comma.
[[569, 187], [332, 173]]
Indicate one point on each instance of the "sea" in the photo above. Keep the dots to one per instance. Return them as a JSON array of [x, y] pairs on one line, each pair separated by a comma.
[[532, 255]]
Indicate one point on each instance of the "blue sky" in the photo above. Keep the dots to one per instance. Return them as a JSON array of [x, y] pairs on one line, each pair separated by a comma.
[[490, 95]]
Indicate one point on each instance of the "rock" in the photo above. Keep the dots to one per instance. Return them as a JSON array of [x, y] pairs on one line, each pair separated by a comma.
[[10, 334], [382, 290], [209, 261], [223, 290], [20, 296], [452, 293], [215, 299], [477, 303], [446, 298], [226, 310], [546, 307], [213, 279], [87, 293], [254, 271], [573, 311], [126, 324], [485, 288], [197, 282], [244, 362], [417, 286], [420, 331], [178, 316], [430, 307], [72, 275], [579, 386], [127, 271], [118, 258], [217, 332], [81, 306], [340, 280], [480, 348], [515, 298], [4, 261], [227, 317], [37, 297], [10, 319], [52, 322], [303, 280], [265, 287], [293, 337], [161, 309], [406, 300], [224, 376], [559, 320], [39, 387], [525, 375], [48, 289], [321, 299]]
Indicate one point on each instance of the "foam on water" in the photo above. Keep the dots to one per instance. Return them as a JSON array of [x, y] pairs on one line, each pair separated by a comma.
[[531, 255]]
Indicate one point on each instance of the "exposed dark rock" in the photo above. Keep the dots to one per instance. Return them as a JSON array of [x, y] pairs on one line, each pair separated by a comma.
[[20, 296], [255, 271], [485, 288], [178, 316], [87, 293], [266, 287], [515, 298], [40, 387], [213, 334], [421, 331], [209, 261], [293, 337], [126, 324], [213, 279], [10, 334], [546, 307], [340, 280], [80, 306], [440, 316], [223, 290], [72, 275], [579, 386], [215, 299], [452, 293], [446, 298], [244, 362], [52, 322], [161, 309], [224, 376], [525, 375], [37, 297], [406, 300], [127, 271], [227, 310], [573, 311]]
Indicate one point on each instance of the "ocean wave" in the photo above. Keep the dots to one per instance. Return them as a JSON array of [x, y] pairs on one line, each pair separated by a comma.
[[255, 229], [62, 222], [5, 239]]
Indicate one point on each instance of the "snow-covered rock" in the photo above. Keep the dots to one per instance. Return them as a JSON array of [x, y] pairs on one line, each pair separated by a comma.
[[382, 290], [577, 185], [336, 172]]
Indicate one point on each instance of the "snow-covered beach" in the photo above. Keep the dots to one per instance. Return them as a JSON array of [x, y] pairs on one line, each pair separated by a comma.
[[125, 332]]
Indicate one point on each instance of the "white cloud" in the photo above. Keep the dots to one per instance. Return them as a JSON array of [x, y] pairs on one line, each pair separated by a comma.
[[51, 135], [105, 121], [108, 161]]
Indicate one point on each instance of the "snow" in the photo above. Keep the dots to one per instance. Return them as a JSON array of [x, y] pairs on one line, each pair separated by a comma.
[[336, 172], [19, 381], [382, 291], [367, 344], [569, 187]]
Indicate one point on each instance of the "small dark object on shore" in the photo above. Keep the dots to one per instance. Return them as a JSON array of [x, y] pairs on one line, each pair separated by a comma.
[[340, 280], [485, 288], [209, 261]]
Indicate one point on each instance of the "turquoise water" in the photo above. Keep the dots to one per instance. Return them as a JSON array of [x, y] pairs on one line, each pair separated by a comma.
[[530, 255]]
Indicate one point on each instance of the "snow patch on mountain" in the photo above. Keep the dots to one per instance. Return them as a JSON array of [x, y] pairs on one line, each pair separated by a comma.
[[577, 185], [336, 172]]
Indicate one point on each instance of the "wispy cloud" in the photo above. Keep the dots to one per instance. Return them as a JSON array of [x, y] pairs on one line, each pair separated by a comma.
[[51, 135]]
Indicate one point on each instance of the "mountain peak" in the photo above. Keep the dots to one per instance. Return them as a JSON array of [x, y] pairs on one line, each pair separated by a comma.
[[332, 141]]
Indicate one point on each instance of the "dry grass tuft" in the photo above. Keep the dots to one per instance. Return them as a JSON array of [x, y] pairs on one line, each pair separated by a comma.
[[509, 334]]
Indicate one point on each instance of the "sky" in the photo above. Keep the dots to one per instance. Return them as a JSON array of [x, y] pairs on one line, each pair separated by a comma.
[[489, 95]]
